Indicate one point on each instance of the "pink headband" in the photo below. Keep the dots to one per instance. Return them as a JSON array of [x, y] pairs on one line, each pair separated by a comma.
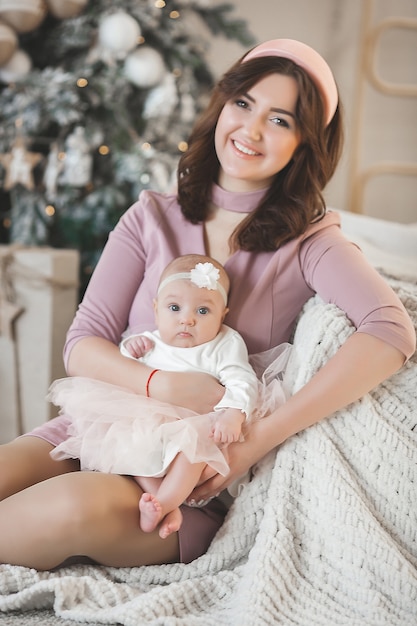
[[309, 60]]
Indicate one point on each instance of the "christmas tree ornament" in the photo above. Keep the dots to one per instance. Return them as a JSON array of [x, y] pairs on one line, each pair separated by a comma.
[[162, 99], [78, 161], [54, 167], [8, 43], [19, 164], [118, 33], [16, 68], [23, 15], [144, 67], [65, 9]]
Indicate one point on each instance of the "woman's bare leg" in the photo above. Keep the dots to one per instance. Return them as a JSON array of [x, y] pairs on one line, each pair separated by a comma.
[[49, 512], [26, 461]]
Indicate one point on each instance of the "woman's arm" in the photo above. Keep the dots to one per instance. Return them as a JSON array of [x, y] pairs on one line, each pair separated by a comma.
[[98, 358], [360, 364]]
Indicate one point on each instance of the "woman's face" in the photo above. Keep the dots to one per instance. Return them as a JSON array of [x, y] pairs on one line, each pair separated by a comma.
[[256, 134]]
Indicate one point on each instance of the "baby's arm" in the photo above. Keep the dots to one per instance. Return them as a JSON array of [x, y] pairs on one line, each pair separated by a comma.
[[227, 425], [241, 389], [138, 345]]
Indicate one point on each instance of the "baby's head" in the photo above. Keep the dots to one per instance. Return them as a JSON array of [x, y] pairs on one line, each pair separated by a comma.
[[191, 303]]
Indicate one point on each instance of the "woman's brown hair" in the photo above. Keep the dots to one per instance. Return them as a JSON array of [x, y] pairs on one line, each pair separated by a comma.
[[294, 199]]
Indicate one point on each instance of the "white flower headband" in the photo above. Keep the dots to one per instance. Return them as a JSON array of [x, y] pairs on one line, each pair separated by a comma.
[[203, 275]]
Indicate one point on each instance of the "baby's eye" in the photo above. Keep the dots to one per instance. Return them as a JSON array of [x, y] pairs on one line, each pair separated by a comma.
[[203, 310], [174, 307]]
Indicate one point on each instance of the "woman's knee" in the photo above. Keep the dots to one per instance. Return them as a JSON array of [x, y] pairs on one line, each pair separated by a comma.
[[90, 500]]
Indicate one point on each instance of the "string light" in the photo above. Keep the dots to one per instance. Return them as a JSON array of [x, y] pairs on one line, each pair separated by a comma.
[[104, 150], [50, 210], [82, 82], [160, 4], [183, 146], [174, 15], [146, 146]]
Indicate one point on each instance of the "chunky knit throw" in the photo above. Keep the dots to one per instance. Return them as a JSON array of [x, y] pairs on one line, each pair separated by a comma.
[[324, 535]]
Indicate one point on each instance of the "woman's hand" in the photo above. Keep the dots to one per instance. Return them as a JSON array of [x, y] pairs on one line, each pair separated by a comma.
[[192, 390], [241, 456]]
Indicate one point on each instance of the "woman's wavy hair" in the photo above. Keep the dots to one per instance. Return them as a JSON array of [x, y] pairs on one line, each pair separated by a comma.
[[294, 199]]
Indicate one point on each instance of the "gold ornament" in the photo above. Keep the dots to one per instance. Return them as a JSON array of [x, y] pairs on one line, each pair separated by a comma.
[[64, 9], [19, 164], [23, 15], [8, 42]]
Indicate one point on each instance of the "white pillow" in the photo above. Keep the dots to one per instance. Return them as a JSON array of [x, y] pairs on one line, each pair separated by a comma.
[[390, 246]]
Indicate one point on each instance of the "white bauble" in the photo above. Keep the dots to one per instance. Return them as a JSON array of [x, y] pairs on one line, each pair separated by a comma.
[[64, 9], [23, 15], [144, 67], [16, 67], [8, 43], [118, 33]]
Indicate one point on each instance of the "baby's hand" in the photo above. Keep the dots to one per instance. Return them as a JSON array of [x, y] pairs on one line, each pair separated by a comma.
[[228, 426], [138, 345]]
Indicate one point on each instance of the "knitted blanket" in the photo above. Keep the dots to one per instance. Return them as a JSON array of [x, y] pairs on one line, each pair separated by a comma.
[[324, 535]]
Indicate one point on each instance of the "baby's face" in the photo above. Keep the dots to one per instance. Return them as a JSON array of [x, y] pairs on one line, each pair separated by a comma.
[[187, 315]]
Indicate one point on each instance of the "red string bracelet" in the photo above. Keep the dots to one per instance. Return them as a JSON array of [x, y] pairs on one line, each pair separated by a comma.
[[148, 381]]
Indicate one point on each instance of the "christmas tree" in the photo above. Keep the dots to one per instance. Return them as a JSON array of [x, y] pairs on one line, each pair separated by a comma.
[[97, 99]]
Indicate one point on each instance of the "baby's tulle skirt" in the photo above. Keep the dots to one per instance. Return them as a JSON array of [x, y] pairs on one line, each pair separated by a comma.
[[116, 431]]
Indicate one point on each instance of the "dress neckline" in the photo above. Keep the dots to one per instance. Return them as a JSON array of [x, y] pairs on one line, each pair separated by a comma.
[[236, 201]]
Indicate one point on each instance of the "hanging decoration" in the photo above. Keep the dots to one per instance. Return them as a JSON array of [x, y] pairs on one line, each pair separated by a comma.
[[78, 161], [8, 42], [162, 99], [16, 68], [54, 167], [19, 164], [118, 34], [144, 67], [64, 9], [23, 15]]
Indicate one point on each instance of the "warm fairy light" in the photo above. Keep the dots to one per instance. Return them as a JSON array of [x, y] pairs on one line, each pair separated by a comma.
[[7, 222], [50, 210], [141, 40], [61, 156], [82, 82], [146, 146], [174, 15], [183, 146], [160, 4], [103, 150], [177, 72]]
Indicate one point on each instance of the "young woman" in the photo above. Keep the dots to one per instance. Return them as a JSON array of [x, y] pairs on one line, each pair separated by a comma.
[[249, 195]]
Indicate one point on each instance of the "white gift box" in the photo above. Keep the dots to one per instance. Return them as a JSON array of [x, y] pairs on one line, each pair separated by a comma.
[[38, 300]]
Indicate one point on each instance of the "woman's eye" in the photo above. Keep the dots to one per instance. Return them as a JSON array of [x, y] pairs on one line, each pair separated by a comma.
[[241, 103], [279, 121]]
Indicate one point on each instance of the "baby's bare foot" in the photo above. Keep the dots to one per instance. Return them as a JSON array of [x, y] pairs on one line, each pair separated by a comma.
[[150, 512], [171, 523]]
